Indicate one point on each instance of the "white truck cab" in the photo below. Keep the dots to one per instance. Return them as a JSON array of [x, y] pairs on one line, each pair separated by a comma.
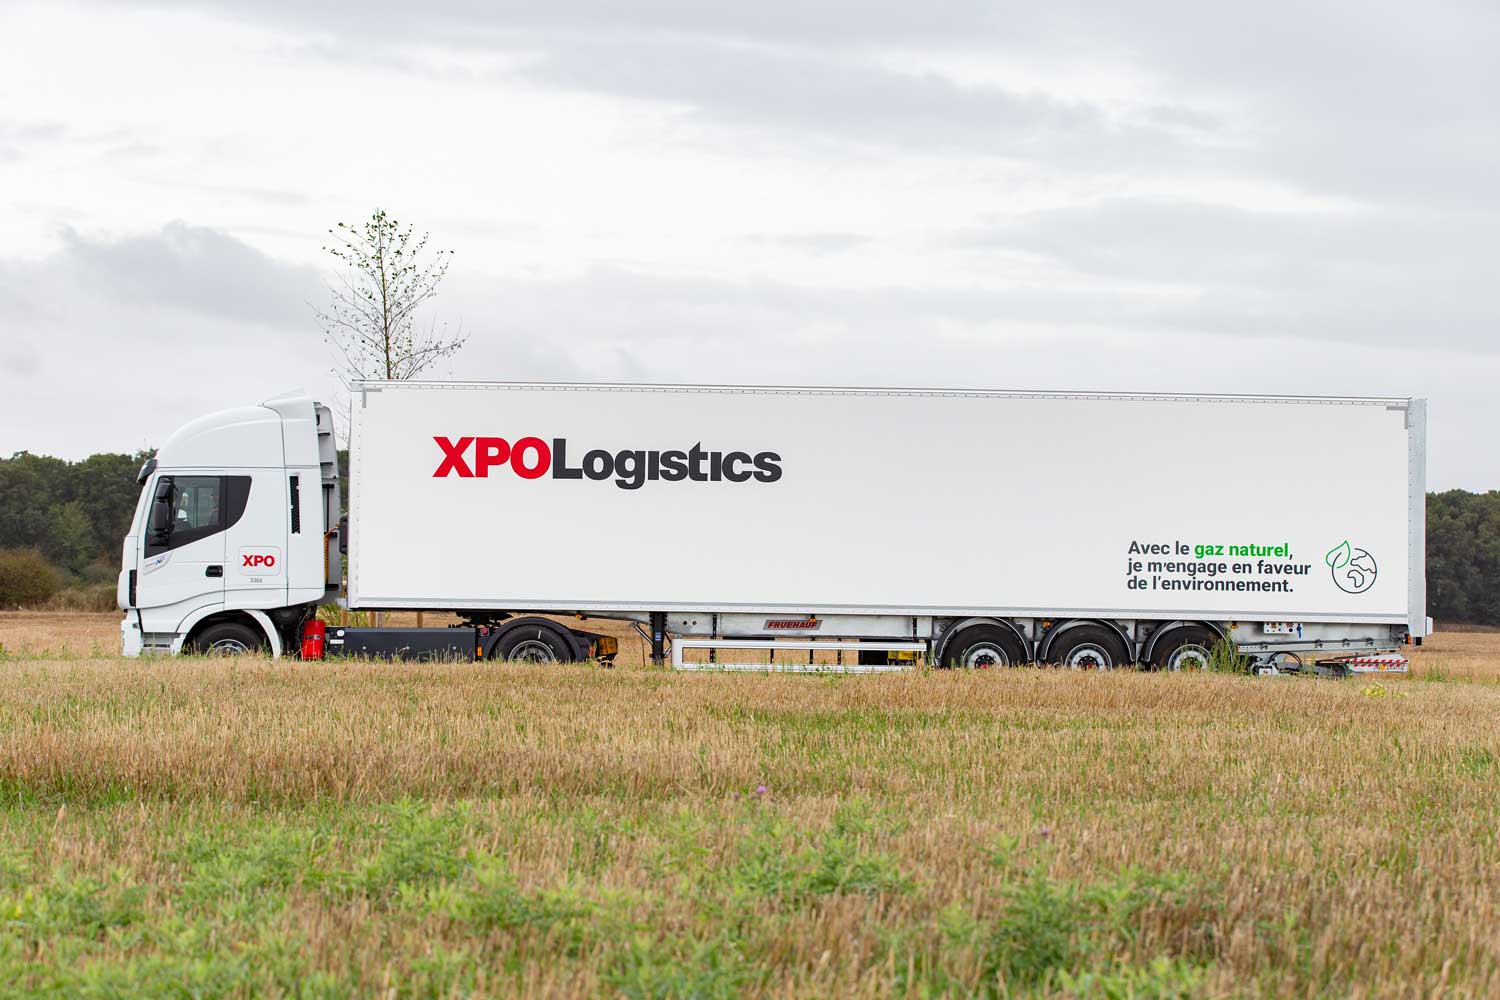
[[234, 540]]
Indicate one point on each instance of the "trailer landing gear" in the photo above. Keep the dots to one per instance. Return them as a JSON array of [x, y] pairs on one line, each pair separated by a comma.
[[658, 638]]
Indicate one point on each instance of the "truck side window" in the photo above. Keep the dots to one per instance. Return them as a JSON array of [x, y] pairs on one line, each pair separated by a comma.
[[193, 508], [199, 503]]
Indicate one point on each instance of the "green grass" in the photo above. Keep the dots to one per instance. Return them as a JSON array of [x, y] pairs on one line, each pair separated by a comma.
[[217, 905], [202, 829]]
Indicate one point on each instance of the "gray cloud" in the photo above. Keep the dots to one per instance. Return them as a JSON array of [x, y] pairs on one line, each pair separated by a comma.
[[19, 138], [21, 360], [806, 75], [1382, 101], [1353, 276], [478, 22], [145, 325], [190, 268], [819, 243], [831, 98]]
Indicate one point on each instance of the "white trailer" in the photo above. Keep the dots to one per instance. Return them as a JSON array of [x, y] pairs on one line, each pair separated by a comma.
[[1091, 530]]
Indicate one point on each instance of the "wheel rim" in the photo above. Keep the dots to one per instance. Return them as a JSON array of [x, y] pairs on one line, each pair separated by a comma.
[[229, 647], [1189, 657], [985, 656], [1089, 656], [533, 651]]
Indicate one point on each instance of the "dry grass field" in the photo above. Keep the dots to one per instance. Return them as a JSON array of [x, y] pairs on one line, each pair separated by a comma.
[[219, 828]]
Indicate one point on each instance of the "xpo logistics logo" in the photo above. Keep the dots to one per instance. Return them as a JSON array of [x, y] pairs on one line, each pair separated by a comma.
[[260, 561], [533, 458]]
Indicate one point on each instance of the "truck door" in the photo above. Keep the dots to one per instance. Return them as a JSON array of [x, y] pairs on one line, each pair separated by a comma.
[[182, 548], [255, 546]]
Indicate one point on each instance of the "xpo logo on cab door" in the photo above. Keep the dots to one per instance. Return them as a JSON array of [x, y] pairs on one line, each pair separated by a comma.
[[262, 560]]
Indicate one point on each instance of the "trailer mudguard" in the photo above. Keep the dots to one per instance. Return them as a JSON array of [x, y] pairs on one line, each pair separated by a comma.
[[947, 637], [1045, 646], [1149, 649]]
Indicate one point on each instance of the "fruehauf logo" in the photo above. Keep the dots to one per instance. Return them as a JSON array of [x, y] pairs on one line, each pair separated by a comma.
[[1353, 569], [630, 468]]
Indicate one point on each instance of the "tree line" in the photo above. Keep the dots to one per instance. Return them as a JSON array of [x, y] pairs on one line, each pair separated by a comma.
[[72, 515], [1463, 557], [61, 524]]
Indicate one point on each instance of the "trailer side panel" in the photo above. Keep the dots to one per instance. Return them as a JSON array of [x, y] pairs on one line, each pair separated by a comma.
[[612, 498]]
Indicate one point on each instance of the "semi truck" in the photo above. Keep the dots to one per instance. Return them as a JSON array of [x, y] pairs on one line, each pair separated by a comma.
[[963, 528]]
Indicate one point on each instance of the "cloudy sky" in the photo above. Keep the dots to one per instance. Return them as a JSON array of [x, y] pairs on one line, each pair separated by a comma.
[[1162, 195]]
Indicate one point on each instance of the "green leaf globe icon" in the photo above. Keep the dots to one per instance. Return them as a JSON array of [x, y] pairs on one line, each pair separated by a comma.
[[1353, 569]]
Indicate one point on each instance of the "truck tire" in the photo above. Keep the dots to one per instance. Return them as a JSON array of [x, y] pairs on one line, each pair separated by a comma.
[[533, 643], [229, 639], [1184, 648], [1089, 647], [980, 647]]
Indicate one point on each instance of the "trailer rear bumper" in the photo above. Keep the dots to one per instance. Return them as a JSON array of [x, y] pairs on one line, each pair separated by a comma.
[[1387, 663]]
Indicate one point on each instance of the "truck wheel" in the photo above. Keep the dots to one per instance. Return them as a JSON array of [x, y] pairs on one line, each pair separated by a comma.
[[228, 639], [1089, 647], [982, 646], [533, 644], [1184, 648]]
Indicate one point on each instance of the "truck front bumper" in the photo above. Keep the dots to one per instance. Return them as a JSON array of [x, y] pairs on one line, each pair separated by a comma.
[[130, 636]]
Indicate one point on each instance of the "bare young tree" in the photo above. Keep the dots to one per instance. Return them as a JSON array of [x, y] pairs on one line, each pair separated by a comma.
[[371, 320]]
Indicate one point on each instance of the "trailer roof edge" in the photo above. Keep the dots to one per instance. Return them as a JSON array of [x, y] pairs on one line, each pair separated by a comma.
[[372, 385]]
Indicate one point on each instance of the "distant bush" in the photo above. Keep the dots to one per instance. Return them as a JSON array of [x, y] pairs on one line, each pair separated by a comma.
[[27, 579], [105, 569], [85, 597]]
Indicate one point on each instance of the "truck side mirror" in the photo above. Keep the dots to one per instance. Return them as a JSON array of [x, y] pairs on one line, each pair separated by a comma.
[[161, 511]]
